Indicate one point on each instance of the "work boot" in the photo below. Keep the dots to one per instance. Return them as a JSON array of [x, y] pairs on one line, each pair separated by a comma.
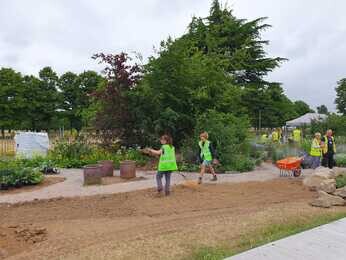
[[214, 178], [199, 180]]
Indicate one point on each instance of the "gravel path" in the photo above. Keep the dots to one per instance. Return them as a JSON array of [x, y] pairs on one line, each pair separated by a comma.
[[73, 185]]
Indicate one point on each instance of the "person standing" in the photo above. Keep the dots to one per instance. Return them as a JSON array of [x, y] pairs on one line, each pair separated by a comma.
[[275, 136], [328, 150], [297, 135], [207, 156], [316, 151], [167, 163]]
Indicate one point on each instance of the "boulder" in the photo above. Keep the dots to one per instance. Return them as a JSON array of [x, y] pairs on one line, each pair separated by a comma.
[[328, 186], [325, 173], [341, 192], [313, 182], [326, 200]]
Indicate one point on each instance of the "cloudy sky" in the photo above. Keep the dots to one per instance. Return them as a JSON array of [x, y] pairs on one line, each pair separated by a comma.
[[65, 33]]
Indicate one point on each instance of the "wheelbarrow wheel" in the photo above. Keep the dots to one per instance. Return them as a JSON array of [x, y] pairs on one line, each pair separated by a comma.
[[297, 172]]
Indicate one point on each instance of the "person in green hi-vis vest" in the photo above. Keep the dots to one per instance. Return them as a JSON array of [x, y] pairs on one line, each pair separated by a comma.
[[206, 156], [167, 163]]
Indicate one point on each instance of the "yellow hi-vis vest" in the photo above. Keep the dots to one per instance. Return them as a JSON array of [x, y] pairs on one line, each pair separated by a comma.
[[297, 135], [315, 148], [264, 138], [205, 151], [275, 136], [325, 147], [167, 159]]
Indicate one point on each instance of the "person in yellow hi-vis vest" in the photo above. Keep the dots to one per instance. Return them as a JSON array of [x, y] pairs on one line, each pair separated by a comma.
[[206, 156], [275, 136], [329, 149], [167, 163], [264, 138], [316, 151], [297, 135]]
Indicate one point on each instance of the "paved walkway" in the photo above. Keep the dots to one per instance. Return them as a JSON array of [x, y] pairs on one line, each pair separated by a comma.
[[73, 185], [322, 243]]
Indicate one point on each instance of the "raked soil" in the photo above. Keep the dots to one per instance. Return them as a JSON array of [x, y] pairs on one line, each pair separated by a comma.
[[139, 225]]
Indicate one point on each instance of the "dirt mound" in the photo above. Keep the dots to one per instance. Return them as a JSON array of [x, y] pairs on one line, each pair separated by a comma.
[[18, 238]]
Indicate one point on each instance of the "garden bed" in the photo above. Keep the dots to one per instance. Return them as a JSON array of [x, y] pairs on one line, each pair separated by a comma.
[[47, 181]]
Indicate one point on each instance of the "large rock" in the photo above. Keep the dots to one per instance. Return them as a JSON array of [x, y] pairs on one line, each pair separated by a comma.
[[328, 186], [325, 173], [313, 182], [341, 192], [326, 200]]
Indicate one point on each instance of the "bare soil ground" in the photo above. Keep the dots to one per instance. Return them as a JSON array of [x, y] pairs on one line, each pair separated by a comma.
[[138, 225], [48, 180], [117, 179]]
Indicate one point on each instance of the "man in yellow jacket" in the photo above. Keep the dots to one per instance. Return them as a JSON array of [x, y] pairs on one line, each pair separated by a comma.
[[328, 149]]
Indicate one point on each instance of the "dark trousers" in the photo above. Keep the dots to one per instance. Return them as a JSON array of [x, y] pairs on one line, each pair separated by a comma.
[[328, 160], [159, 176]]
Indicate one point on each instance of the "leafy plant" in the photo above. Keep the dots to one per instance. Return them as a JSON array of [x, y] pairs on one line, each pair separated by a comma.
[[340, 160], [14, 174], [228, 133], [340, 181]]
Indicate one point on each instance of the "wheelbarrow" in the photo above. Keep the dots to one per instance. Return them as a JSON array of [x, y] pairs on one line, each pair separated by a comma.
[[290, 166]]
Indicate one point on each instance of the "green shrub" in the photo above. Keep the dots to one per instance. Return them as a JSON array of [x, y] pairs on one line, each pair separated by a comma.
[[14, 174], [243, 164], [340, 181], [335, 122], [305, 145], [281, 151], [340, 160], [188, 167], [230, 136], [78, 154]]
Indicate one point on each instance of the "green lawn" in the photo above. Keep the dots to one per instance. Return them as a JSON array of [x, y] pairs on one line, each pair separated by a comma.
[[263, 236]]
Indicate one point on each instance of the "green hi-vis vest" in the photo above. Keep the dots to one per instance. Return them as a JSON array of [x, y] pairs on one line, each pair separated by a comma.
[[315, 148], [167, 159], [205, 151], [296, 135], [275, 136], [325, 147]]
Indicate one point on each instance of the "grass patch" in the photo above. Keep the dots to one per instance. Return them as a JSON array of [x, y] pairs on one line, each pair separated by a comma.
[[340, 181], [264, 235]]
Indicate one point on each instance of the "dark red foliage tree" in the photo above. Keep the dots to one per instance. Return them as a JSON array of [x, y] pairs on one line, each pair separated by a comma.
[[114, 119]]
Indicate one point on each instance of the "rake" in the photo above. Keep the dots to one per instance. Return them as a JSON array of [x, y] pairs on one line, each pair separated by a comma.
[[188, 183]]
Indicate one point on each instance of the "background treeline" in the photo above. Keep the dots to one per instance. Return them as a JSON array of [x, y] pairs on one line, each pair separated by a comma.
[[219, 65], [47, 101]]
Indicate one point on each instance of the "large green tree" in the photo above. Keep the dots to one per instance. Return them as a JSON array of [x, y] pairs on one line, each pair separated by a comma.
[[11, 102], [302, 108], [340, 100], [322, 109], [219, 64], [76, 91]]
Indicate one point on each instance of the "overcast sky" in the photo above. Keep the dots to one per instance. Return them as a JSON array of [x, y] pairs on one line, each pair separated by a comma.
[[65, 33]]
